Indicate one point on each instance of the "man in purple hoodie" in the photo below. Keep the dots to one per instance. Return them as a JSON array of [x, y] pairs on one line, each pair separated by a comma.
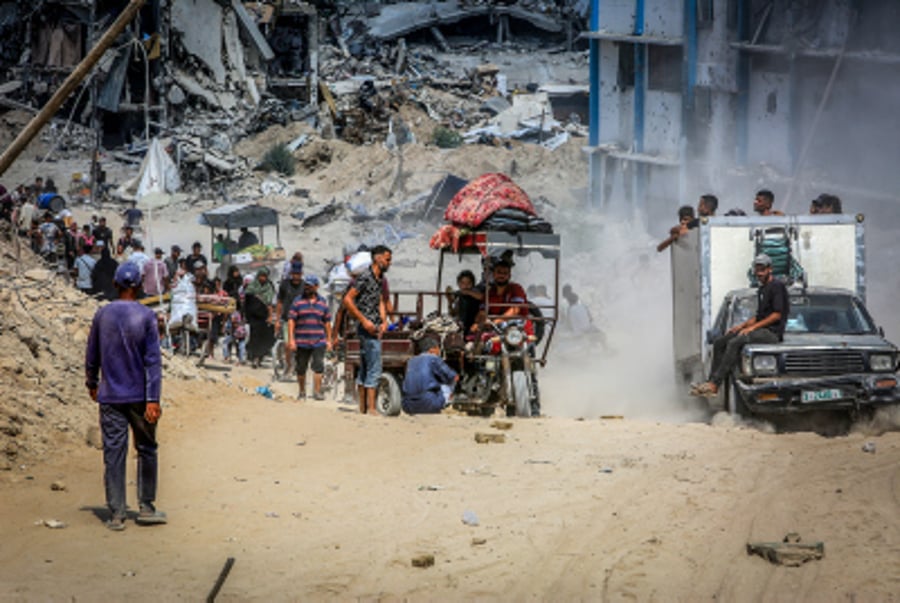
[[123, 370]]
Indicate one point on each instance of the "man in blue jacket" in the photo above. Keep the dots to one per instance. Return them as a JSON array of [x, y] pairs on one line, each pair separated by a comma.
[[123, 370], [428, 383]]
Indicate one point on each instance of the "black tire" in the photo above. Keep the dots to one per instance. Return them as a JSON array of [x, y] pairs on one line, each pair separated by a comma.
[[521, 393], [388, 398]]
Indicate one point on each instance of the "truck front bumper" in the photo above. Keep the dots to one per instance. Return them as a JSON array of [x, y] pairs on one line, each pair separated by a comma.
[[797, 395]]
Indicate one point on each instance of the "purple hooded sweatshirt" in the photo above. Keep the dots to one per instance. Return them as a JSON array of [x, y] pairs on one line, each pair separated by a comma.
[[123, 351]]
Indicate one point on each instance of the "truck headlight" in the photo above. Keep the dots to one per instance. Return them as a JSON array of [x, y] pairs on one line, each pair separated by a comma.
[[765, 364], [514, 336], [881, 363], [746, 366]]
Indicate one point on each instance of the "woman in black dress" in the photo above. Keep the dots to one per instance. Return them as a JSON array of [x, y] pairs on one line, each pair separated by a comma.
[[258, 304]]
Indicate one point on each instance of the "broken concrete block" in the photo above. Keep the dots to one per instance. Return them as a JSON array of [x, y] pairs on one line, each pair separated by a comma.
[[495, 105], [426, 560], [200, 24], [176, 95], [490, 438]]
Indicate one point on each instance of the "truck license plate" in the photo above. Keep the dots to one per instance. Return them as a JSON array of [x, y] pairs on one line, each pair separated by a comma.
[[820, 395]]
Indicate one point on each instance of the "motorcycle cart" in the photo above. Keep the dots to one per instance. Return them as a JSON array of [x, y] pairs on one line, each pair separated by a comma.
[[497, 365]]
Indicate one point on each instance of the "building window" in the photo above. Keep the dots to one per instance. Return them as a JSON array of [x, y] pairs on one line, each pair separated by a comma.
[[664, 68], [625, 75]]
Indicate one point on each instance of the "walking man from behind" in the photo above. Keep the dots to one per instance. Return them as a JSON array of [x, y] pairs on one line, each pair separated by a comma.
[[365, 302], [767, 326], [123, 370]]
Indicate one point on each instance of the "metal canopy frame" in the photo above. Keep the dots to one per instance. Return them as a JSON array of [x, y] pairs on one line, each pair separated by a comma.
[[241, 215]]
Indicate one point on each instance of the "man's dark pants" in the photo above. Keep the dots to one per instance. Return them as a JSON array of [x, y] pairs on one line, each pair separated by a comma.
[[114, 422], [727, 351]]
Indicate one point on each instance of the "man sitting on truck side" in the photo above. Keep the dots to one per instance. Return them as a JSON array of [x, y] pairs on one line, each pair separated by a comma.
[[767, 326], [685, 218]]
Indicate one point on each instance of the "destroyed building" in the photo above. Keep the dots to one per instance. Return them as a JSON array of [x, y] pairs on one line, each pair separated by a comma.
[[204, 74], [729, 96]]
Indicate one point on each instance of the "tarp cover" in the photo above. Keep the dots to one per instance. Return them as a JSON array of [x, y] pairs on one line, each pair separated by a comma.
[[483, 196], [157, 180], [239, 215]]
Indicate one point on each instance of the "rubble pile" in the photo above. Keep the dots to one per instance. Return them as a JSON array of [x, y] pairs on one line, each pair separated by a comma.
[[43, 332], [206, 74]]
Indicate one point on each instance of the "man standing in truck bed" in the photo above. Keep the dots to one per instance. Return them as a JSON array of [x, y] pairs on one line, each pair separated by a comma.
[[773, 305]]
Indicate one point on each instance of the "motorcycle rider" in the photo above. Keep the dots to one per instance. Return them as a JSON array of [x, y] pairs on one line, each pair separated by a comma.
[[505, 299]]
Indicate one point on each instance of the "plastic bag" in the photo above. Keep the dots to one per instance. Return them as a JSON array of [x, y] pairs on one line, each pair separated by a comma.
[[358, 262], [184, 304]]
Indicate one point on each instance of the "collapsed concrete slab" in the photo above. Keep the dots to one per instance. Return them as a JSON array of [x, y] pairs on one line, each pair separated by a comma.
[[396, 20], [200, 24]]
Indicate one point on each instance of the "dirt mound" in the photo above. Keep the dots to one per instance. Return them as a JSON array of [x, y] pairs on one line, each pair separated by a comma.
[[43, 330]]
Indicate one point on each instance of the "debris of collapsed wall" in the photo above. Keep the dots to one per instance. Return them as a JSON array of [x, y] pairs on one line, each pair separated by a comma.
[[211, 88], [43, 332]]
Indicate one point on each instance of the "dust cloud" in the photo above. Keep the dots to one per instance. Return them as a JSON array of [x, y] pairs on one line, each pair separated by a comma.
[[612, 265]]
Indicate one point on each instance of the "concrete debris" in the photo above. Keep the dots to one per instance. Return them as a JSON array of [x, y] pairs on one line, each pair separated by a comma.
[[43, 381], [390, 73], [426, 560], [790, 551]]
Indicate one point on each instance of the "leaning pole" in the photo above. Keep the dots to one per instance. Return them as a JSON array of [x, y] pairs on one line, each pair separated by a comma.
[[68, 86]]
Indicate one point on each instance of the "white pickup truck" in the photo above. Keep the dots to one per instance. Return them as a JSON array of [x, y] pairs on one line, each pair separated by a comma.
[[833, 355]]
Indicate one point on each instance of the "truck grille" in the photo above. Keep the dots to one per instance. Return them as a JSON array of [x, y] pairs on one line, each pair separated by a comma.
[[824, 362]]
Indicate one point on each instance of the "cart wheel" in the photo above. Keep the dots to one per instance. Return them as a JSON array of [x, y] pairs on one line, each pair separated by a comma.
[[278, 364], [388, 396]]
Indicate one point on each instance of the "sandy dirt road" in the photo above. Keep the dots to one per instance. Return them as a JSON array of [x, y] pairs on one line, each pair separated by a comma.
[[316, 502]]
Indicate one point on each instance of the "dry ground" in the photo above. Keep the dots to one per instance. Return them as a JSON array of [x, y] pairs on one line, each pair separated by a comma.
[[316, 502]]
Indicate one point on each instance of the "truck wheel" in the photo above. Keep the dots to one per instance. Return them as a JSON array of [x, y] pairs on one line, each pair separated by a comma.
[[735, 402], [521, 392], [388, 396]]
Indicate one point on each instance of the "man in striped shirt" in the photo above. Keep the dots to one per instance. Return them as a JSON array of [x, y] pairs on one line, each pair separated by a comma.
[[309, 333]]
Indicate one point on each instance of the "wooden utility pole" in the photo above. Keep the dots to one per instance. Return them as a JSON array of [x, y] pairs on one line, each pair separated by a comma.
[[75, 78]]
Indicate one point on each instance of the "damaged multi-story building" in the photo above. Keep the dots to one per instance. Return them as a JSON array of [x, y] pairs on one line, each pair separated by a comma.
[[728, 96], [210, 54]]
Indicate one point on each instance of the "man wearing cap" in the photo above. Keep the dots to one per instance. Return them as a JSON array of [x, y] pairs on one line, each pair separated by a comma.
[[123, 370], [767, 326], [196, 256], [156, 274], [309, 334], [288, 290]]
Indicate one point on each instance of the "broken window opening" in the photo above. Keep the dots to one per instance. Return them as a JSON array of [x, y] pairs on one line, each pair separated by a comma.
[[625, 72], [664, 68]]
